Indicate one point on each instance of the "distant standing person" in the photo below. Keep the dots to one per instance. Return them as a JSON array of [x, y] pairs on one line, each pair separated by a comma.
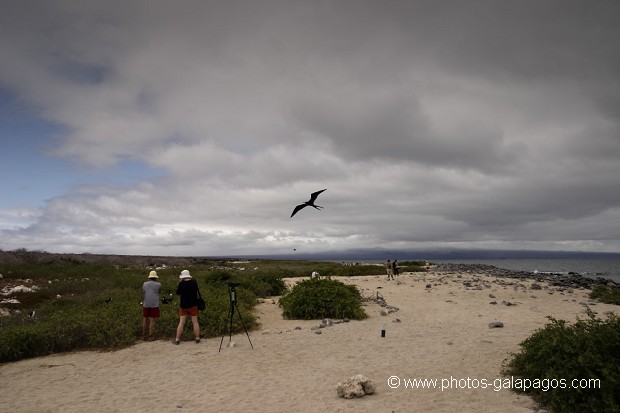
[[315, 275], [395, 268], [151, 289], [388, 267], [188, 290]]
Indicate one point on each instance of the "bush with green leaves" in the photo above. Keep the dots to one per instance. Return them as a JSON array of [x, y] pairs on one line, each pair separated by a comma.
[[260, 283], [412, 266], [322, 298], [588, 349], [606, 294]]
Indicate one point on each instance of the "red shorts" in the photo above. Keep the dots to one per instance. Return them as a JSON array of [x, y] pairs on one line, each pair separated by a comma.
[[150, 312], [193, 311]]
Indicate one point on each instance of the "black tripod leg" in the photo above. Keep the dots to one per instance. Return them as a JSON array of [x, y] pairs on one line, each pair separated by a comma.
[[231, 312], [230, 327], [244, 329]]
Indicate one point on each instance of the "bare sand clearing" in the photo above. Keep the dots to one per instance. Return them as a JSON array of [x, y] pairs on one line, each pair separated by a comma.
[[443, 333]]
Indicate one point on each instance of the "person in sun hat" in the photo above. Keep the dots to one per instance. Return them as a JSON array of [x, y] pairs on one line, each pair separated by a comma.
[[188, 290], [151, 289]]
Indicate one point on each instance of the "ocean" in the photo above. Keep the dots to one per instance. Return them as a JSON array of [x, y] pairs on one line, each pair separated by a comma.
[[605, 268]]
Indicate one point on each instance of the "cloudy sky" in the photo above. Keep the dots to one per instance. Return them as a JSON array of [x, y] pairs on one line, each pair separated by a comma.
[[195, 127]]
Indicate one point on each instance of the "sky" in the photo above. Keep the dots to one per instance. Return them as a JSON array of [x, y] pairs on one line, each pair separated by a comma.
[[195, 127]]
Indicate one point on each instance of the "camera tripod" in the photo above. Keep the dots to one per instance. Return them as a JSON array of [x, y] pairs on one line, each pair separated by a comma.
[[233, 305]]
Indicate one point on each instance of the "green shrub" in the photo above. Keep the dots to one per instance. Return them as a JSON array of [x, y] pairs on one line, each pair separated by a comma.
[[260, 283], [412, 266], [215, 320], [18, 342], [264, 285], [588, 349], [219, 277], [324, 298], [606, 294]]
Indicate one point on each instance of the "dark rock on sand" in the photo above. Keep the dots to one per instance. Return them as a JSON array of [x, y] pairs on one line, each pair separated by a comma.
[[567, 281]]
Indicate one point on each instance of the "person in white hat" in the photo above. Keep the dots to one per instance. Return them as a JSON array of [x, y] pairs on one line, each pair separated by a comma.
[[188, 290], [150, 304]]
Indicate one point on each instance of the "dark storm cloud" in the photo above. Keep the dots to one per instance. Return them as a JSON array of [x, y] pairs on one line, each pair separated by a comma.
[[398, 130]]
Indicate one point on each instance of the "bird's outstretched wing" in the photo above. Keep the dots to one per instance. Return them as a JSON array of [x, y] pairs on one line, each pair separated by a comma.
[[314, 195], [297, 208]]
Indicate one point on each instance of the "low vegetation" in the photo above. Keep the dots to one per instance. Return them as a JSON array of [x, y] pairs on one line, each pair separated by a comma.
[[322, 298], [93, 301], [606, 294], [553, 357]]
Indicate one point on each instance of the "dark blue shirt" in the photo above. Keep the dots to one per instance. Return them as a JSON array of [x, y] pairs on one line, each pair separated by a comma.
[[188, 290]]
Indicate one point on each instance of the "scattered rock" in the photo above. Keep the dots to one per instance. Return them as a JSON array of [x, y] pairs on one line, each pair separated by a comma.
[[18, 289], [428, 286], [318, 332], [268, 331], [356, 386], [396, 320], [496, 324], [566, 281], [493, 302]]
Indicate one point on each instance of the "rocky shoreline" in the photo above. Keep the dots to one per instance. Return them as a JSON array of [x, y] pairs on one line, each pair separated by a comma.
[[570, 280]]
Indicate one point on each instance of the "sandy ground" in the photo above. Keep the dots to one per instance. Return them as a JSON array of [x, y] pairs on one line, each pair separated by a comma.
[[443, 334]]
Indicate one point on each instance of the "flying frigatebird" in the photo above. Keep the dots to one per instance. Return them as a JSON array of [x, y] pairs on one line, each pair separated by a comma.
[[310, 202]]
